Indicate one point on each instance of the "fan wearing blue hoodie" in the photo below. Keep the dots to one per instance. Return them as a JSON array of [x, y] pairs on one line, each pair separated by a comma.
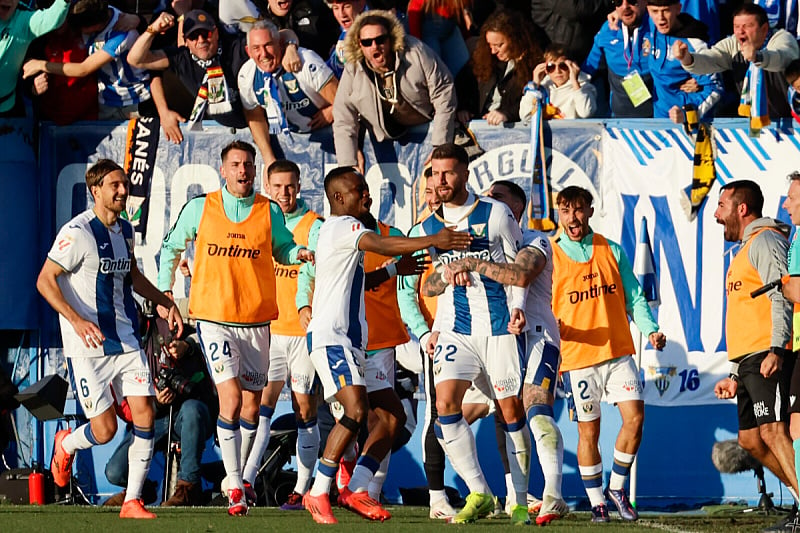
[[669, 25]]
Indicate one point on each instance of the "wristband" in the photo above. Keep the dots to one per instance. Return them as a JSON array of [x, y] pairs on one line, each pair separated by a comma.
[[734, 378], [391, 269]]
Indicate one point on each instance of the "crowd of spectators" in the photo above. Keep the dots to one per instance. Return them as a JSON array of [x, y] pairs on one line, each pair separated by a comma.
[[382, 66], [441, 62]]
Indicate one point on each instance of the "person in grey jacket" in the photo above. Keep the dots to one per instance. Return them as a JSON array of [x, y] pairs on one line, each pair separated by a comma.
[[391, 81], [752, 41]]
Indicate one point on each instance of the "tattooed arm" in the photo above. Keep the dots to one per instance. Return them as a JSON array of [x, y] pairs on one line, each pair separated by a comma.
[[435, 284], [521, 273]]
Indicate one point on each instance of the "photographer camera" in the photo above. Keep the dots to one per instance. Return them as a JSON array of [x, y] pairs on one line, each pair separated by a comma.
[[184, 387]]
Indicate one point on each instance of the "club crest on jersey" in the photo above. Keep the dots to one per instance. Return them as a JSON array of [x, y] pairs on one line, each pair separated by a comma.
[[87, 403], [646, 47], [291, 85], [660, 376], [479, 230]]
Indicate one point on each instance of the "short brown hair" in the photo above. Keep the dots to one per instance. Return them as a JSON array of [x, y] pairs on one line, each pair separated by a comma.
[[451, 151], [98, 171], [575, 196], [283, 165], [238, 145]]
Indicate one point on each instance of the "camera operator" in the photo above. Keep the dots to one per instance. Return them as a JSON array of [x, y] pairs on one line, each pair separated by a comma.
[[182, 384]]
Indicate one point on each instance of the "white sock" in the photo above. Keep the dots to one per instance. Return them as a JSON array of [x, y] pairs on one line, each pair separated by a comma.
[[307, 451], [230, 444], [140, 454], [511, 496], [794, 495], [437, 495], [592, 477], [363, 473], [549, 447], [463, 454], [248, 431], [326, 471], [259, 446], [376, 484], [621, 469], [80, 439], [518, 449]]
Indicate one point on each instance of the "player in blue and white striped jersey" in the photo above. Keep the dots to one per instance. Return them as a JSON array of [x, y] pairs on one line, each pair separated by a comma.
[[121, 86], [533, 269], [88, 279], [473, 320]]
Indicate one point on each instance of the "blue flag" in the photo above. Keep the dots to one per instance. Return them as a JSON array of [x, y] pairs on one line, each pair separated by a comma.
[[644, 266]]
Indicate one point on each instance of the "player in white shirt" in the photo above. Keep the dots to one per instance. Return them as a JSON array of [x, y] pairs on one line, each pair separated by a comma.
[[337, 334], [87, 278], [474, 343], [533, 268]]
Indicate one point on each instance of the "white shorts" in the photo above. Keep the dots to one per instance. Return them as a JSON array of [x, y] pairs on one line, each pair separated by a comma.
[[338, 367], [468, 357], [613, 381], [288, 358], [128, 373], [236, 352], [544, 358], [379, 370], [476, 396]]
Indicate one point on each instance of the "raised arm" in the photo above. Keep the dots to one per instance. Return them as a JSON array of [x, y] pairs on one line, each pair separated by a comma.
[[141, 55]]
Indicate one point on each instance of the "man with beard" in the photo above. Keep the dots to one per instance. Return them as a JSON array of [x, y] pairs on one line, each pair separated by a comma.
[[87, 279], [233, 296], [338, 331], [471, 333], [757, 330], [625, 52]]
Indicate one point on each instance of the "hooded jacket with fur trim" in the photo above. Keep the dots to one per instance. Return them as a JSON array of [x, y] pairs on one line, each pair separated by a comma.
[[422, 81]]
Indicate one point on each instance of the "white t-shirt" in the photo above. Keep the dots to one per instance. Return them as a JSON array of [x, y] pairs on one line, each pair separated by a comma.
[[97, 283], [485, 307], [299, 91], [538, 306], [338, 317]]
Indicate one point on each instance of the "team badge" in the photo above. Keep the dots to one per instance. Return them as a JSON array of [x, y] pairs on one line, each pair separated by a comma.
[[87, 403], [587, 408], [219, 367], [660, 376], [291, 86], [479, 230], [646, 47]]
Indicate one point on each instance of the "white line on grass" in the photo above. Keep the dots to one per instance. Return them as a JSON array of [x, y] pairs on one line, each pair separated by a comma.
[[662, 527]]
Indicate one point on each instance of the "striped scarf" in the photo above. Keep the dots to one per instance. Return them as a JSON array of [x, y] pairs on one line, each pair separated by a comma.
[[540, 207]]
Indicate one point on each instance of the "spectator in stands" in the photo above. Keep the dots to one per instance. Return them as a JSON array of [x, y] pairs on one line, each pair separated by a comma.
[[502, 62], [18, 29], [207, 66], [439, 24], [275, 101], [568, 88], [311, 20], [753, 43], [124, 92], [62, 99], [572, 22], [184, 396], [391, 82], [345, 12], [672, 26], [624, 53]]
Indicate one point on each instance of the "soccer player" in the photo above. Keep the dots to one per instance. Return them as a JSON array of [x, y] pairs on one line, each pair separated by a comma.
[[474, 343], [757, 330], [338, 329], [596, 345], [533, 269], [87, 278], [288, 352], [233, 296]]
